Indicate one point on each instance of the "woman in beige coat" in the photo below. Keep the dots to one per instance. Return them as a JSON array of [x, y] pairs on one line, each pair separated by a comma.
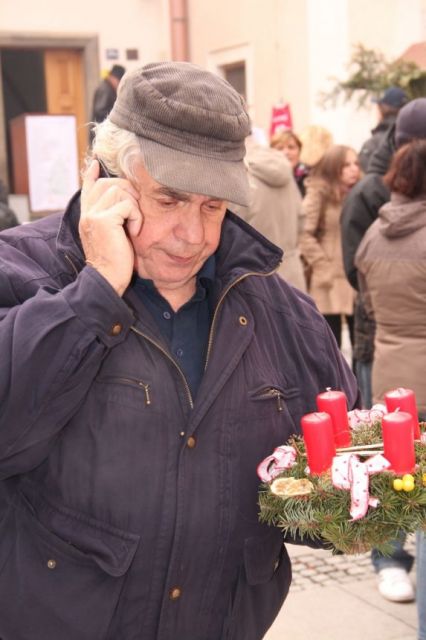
[[321, 247]]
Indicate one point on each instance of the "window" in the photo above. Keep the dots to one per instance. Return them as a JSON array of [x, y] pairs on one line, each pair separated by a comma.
[[235, 74]]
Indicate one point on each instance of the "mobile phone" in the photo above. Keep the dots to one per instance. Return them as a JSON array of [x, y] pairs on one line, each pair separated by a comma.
[[103, 171]]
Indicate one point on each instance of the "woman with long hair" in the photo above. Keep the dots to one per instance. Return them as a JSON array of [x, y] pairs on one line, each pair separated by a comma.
[[327, 186]]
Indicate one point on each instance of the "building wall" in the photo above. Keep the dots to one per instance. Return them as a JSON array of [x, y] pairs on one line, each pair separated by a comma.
[[129, 24], [292, 49]]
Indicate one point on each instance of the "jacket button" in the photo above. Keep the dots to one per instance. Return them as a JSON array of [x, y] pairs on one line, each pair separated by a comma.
[[51, 564], [243, 321], [191, 442], [175, 593], [116, 329]]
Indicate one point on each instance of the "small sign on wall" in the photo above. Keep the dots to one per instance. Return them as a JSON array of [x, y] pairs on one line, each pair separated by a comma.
[[111, 54], [132, 54]]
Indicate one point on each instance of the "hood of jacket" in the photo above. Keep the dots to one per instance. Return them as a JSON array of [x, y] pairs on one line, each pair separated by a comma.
[[269, 166], [402, 216], [380, 159]]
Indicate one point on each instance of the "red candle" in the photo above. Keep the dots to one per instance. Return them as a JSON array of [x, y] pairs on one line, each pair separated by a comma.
[[404, 400], [398, 441], [319, 440], [334, 403]]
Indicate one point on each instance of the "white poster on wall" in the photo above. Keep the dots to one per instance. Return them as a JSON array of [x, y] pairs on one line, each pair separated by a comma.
[[52, 161]]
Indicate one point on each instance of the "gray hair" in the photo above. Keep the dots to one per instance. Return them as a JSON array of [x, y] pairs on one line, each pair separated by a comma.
[[118, 149]]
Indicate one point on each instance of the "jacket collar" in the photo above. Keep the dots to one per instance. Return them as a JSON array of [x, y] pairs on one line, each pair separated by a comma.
[[241, 250]]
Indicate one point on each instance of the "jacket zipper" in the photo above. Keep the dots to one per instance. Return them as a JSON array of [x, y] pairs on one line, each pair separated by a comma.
[[68, 259], [271, 392], [211, 333], [129, 381], [156, 344], [224, 294], [210, 340], [168, 356], [276, 393]]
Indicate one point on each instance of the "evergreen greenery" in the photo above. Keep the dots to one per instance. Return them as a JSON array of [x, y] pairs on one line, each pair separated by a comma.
[[324, 514], [369, 74]]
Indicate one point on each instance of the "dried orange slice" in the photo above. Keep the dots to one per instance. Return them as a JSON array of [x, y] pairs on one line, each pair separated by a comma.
[[291, 487]]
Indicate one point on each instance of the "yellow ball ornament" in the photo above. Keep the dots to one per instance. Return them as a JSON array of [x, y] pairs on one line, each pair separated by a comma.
[[397, 484], [408, 484], [408, 478]]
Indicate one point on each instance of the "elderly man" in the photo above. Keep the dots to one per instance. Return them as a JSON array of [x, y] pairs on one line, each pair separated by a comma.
[[151, 359]]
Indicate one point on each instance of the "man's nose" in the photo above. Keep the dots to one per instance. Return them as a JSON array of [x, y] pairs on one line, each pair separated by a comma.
[[191, 228]]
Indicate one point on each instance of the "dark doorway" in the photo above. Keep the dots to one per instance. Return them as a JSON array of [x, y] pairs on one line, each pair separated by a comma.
[[235, 74], [24, 91]]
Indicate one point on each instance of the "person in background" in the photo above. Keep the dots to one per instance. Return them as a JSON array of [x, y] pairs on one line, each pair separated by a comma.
[[388, 107], [151, 358], [106, 93], [391, 263], [316, 140], [327, 186], [360, 210], [275, 208], [421, 583], [8, 218], [291, 146]]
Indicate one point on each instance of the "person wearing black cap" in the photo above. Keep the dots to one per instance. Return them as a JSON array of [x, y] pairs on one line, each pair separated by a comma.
[[151, 359], [106, 93], [388, 106], [359, 212]]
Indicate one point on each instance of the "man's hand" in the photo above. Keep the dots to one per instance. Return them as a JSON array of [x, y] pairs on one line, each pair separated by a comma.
[[110, 217]]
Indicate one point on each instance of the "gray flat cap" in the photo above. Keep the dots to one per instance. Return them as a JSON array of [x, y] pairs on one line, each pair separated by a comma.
[[192, 126]]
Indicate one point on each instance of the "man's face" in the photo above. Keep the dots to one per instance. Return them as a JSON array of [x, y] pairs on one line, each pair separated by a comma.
[[179, 232]]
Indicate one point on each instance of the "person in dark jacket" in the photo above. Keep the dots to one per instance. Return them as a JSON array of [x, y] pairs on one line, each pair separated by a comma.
[[151, 358], [106, 93], [359, 212], [388, 106]]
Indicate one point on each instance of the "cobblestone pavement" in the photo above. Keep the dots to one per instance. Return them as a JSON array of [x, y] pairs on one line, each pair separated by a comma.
[[323, 569]]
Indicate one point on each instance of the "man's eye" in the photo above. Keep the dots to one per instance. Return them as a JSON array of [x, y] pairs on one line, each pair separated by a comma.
[[213, 207], [168, 204]]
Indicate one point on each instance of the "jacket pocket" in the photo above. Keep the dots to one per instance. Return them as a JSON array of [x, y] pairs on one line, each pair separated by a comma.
[[262, 587], [277, 395], [61, 573], [126, 389], [270, 417]]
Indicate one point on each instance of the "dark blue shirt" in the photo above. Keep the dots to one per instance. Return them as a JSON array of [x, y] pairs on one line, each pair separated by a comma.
[[186, 330]]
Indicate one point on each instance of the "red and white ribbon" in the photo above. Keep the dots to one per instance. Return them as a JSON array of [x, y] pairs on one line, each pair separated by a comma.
[[284, 457], [348, 472], [359, 417]]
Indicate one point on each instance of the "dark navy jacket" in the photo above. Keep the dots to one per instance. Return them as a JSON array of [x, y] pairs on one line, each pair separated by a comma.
[[128, 511]]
